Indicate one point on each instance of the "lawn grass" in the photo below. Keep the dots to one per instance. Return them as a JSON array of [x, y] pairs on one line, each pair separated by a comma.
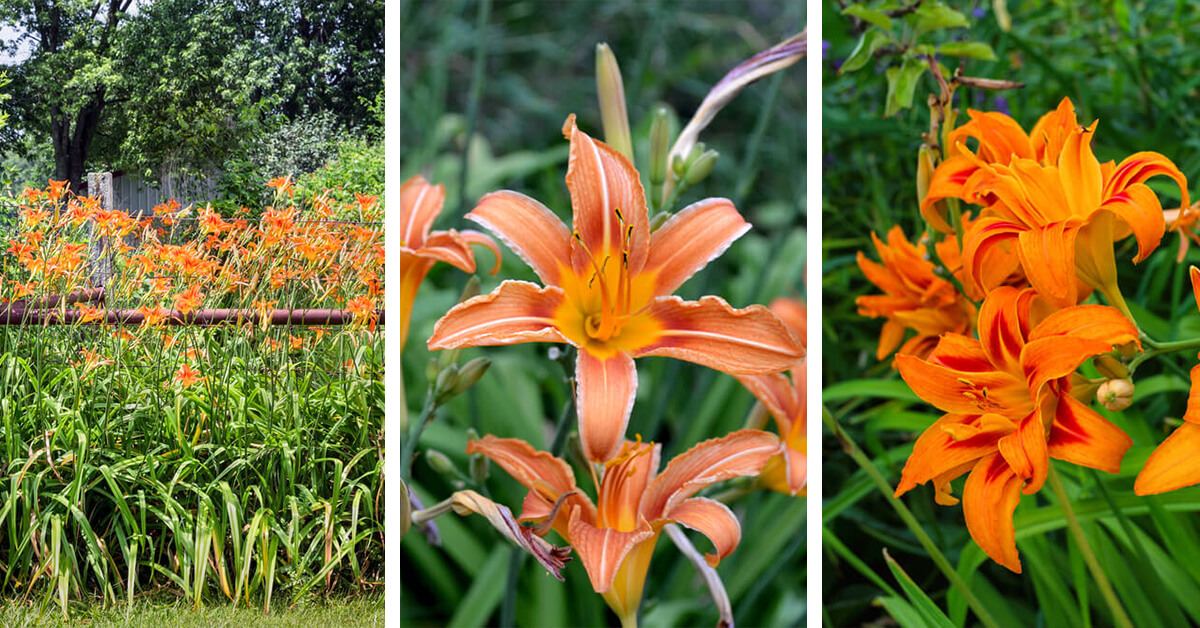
[[174, 612]]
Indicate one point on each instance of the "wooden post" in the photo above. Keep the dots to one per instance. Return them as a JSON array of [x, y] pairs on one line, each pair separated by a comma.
[[100, 184]]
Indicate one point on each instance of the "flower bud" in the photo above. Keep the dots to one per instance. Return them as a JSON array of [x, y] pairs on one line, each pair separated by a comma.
[[479, 468], [405, 509], [611, 92], [1110, 367], [470, 373], [924, 172], [678, 165], [1115, 394], [701, 167], [660, 144], [447, 379], [440, 463], [694, 154], [433, 368], [471, 290]]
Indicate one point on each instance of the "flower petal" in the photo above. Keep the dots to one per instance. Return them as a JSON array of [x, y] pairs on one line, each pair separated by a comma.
[[470, 236], [1194, 274], [1090, 321], [713, 333], [712, 519], [741, 453], [1003, 326], [1079, 171], [989, 499], [690, 240], [1058, 356], [530, 229], [412, 272], [1048, 257], [624, 483], [1174, 464], [963, 392], [951, 442], [1081, 436], [608, 201], [987, 257], [605, 391], [1050, 133], [777, 394], [1138, 207], [449, 247], [420, 204], [603, 550], [1024, 452], [1139, 167], [538, 471], [516, 311]]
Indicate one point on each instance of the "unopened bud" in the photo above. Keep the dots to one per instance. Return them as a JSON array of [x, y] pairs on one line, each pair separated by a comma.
[[678, 165], [479, 468], [1115, 394], [694, 154], [611, 92], [924, 172], [471, 290], [472, 434], [405, 509], [660, 145], [701, 167], [470, 373], [1110, 367], [440, 462], [659, 220], [433, 368], [443, 390]]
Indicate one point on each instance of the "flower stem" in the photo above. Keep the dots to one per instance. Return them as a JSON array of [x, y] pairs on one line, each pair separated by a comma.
[[851, 449], [1161, 348], [1089, 557], [409, 447]]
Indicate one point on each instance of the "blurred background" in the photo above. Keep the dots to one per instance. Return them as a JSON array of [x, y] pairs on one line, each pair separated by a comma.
[[485, 90], [1132, 65]]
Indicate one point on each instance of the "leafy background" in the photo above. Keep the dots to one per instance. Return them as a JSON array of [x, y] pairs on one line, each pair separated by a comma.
[[503, 131], [1132, 66]]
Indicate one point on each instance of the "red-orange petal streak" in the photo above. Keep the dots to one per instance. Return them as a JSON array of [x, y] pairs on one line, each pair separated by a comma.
[[989, 499]]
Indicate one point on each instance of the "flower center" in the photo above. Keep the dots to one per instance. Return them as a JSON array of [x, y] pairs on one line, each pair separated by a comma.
[[614, 286]]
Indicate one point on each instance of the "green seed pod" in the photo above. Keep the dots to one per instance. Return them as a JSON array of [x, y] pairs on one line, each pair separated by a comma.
[[439, 462]]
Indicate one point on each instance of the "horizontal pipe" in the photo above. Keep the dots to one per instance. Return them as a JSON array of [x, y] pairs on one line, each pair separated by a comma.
[[201, 318], [87, 295]]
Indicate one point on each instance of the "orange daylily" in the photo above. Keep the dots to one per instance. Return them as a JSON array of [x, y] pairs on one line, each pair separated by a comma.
[[420, 248], [1050, 207], [785, 399], [915, 297], [186, 376], [1173, 464], [615, 538], [1009, 410], [608, 286]]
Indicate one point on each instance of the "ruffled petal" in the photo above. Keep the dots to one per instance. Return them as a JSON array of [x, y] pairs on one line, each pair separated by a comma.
[[1090, 321], [1025, 452], [1138, 207], [608, 201], [989, 499], [420, 204], [1048, 257], [950, 443], [713, 333], [530, 229], [604, 393], [742, 453], [712, 519], [988, 256], [1048, 359], [691, 239], [1139, 167], [516, 311], [777, 395], [449, 247]]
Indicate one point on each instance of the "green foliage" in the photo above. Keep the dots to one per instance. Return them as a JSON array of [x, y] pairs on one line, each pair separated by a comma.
[[539, 67], [1132, 68]]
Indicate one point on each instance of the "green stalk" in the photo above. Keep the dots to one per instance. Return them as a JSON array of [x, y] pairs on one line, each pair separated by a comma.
[[1089, 557], [485, 9], [1162, 348], [864, 462]]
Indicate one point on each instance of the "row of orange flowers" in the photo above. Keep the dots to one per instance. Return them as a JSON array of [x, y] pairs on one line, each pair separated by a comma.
[[607, 291], [1000, 331]]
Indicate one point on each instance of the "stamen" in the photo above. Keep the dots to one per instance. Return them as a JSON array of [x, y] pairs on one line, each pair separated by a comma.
[[629, 451], [542, 528]]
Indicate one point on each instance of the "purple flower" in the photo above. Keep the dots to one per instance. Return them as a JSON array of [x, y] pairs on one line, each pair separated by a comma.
[[825, 46], [1001, 105], [978, 12]]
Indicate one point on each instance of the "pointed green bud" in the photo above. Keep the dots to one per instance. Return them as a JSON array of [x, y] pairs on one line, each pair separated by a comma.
[[660, 146], [471, 290], [440, 463], [694, 154], [701, 167], [611, 92], [433, 368], [443, 390], [405, 509], [678, 165], [479, 468], [470, 373]]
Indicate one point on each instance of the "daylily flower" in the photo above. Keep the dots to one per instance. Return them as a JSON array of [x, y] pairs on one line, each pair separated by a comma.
[[785, 399], [607, 290], [615, 538], [1009, 410], [914, 297], [1049, 205], [420, 248], [1173, 464]]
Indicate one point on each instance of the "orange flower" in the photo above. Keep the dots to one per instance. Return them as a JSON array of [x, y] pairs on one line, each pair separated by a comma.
[[185, 376], [1049, 205], [1009, 410], [607, 290], [615, 538], [420, 248], [282, 184], [785, 399], [89, 313], [188, 300], [915, 297], [1173, 464]]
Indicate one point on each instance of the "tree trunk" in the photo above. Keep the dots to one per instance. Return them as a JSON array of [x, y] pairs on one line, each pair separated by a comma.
[[72, 142]]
